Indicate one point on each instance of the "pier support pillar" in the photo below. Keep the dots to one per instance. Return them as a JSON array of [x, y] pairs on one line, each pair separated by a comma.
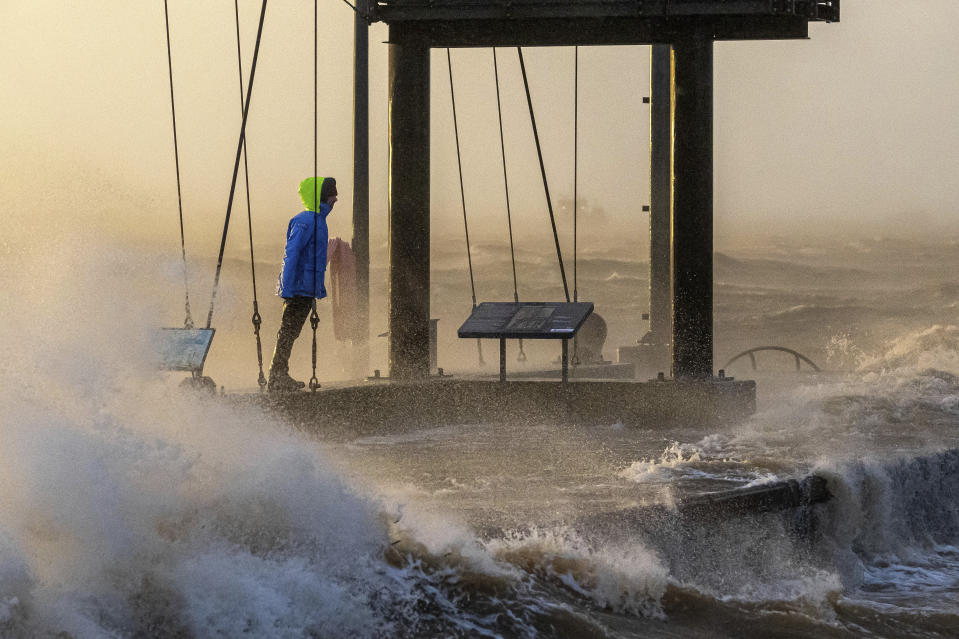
[[361, 193], [660, 196], [693, 206], [409, 208]]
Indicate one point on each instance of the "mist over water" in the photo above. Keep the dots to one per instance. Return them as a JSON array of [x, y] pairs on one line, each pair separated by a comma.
[[130, 508]]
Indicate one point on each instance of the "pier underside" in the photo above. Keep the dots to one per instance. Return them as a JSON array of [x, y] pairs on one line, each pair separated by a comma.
[[485, 23], [688, 27], [400, 406]]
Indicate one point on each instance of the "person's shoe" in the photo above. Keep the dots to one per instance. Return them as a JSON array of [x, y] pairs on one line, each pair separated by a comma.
[[283, 384]]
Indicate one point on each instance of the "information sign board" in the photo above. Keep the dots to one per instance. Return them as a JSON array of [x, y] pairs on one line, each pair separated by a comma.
[[526, 320]]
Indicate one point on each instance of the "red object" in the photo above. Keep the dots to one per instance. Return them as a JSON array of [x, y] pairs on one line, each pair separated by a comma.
[[342, 290]]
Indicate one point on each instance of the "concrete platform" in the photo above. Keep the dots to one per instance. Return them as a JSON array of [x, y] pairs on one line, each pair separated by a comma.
[[397, 406], [795, 501], [588, 372]]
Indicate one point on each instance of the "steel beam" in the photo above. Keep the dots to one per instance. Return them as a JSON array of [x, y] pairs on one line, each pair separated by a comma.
[[693, 206], [361, 191], [409, 208], [511, 32], [401, 10]]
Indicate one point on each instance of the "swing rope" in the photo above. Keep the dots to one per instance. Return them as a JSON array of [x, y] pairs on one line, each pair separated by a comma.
[[256, 319], [542, 168], [575, 168], [188, 320], [509, 217], [314, 317], [575, 358], [236, 166], [459, 164], [502, 146]]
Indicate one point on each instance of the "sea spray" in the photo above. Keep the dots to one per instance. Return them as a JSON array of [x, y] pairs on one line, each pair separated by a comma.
[[129, 508], [156, 505], [623, 578], [936, 347]]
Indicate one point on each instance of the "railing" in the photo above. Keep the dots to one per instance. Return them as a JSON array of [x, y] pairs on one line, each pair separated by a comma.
[[751, 353]]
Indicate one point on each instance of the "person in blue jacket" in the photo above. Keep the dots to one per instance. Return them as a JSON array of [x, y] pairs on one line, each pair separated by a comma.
[[302, 276]]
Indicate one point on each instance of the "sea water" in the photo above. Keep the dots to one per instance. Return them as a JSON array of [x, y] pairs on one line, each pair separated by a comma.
[[130, 508]]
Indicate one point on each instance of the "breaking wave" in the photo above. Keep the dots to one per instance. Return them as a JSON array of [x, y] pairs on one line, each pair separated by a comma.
[[130, 509], [936, 348]]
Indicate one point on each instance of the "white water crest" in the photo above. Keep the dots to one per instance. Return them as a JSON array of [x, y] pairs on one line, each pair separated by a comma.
[[129, 508], [132, 509]]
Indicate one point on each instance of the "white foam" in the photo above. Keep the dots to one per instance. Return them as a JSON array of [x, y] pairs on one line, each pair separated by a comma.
[[623, 578], [127, 503], [936, 347], [675, 456]]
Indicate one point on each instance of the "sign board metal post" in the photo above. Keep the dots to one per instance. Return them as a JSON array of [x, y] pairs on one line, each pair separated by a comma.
[[502, 359]]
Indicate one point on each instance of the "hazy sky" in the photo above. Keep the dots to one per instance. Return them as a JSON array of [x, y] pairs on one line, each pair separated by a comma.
[[855, 130]]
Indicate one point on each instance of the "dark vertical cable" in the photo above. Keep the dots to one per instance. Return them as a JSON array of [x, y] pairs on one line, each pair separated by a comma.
[[236, 165], [509, 217], [188, 321], [256, 319], [575, 170], [502, 146], [575, 360], [542, 169], [246, 166], [314, 317], [459, 164]]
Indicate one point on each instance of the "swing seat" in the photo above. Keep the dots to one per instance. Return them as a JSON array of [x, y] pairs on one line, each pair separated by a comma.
[[182, 349]]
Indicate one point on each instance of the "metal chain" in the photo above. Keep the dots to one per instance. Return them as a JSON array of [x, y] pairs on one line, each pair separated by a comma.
[[256, 319], [314, 317], [188, 320], [314, 323]]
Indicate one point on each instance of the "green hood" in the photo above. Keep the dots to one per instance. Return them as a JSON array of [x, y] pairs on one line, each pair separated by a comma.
[[310, 190]]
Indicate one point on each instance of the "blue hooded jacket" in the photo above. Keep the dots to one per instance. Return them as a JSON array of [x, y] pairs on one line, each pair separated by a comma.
[[299, 278]]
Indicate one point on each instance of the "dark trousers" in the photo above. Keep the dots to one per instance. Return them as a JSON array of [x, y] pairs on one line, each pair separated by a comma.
[[295, 312]]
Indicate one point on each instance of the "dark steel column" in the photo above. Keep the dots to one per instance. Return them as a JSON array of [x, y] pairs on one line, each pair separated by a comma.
[[361, 191], [502, 359], [693, 206], [409, 208], [660, 195]]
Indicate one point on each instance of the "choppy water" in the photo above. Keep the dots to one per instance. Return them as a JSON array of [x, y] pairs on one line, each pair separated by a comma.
[[129, 509]]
